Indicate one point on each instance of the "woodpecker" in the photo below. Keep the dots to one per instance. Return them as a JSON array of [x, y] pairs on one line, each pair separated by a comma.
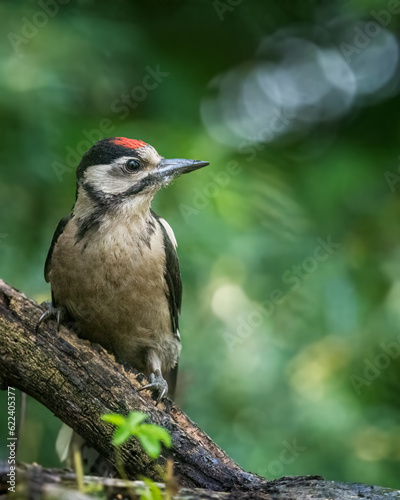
[[112, 263]]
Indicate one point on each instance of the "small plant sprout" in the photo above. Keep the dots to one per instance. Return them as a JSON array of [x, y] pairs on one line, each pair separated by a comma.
[[150, 490], [151, 436]]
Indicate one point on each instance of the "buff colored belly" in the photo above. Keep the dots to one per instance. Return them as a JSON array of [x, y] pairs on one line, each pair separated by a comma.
[[112, 288]]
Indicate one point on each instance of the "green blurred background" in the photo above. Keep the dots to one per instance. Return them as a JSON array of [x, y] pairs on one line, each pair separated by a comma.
[[289, 362]]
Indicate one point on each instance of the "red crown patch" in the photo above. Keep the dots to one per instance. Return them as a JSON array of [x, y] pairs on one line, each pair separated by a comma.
[[128, 143]]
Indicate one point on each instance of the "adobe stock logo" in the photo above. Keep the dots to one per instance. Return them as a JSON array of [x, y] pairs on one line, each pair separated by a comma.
[[30, 27], [291, 279], [107, 126], [371, 29], [202, 197], [221, 7], [392, 178], [374, 368], [289, 453]]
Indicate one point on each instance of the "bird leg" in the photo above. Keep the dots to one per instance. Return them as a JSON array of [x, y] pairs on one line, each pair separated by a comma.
[[157, 382], [57, 313]]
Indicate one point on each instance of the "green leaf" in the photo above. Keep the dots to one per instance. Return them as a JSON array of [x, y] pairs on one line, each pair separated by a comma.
[[158, 433], [114, 418], [151, 445], [151, 491], [150, 436], [121, 435], [135, 418], [145, 494]]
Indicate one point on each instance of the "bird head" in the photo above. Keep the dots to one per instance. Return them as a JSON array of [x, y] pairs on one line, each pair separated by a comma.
[[118, 170]]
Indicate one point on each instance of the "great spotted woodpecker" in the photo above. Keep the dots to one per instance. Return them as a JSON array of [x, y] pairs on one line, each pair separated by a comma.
[[112, 264]]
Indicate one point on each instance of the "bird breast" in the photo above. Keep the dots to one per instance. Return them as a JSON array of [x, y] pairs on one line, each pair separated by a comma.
[[112, 283]]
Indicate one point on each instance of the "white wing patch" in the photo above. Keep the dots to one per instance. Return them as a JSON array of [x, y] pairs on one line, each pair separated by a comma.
[[170, 233]]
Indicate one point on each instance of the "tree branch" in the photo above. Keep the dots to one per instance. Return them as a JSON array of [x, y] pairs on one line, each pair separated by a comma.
[[79, 382]]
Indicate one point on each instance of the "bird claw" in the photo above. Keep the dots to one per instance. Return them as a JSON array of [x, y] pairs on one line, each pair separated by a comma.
[[57, 313], [157, 384]]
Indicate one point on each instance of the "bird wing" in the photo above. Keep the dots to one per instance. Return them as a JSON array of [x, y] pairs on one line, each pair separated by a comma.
[[60, 228], [174, 290], [172, 273]]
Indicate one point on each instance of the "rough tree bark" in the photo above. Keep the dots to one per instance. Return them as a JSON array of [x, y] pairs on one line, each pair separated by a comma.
[[79, 382]]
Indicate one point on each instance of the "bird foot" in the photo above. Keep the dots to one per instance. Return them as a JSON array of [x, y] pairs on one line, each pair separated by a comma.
[[57, 313], [158, 385]]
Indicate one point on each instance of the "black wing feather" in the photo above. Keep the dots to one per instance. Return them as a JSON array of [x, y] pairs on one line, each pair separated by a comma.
[[171, 379], [60, 228], [173, 278]]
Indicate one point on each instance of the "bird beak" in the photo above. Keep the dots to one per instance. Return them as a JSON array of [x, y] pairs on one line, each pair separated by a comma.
[[167, 169]]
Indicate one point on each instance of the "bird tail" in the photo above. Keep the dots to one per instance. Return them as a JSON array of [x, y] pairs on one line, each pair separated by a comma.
[[93, 463]]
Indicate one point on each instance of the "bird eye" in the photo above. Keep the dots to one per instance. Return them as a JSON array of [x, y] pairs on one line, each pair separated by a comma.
[[132, 166]]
